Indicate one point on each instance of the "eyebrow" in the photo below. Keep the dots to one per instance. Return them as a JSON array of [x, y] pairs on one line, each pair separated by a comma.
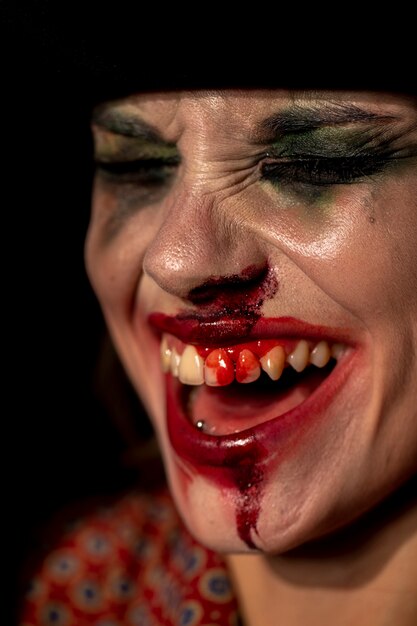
[[300, 118], [297, 118], [126, 124]]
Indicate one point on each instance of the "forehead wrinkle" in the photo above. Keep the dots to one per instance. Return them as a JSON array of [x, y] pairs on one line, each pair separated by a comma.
[[216, 130], [203, 113]]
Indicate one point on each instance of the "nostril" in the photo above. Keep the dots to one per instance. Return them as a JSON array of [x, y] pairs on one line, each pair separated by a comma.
[[237, 291]]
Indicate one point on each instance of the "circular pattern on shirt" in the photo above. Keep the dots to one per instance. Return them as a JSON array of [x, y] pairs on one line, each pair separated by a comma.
[[189, 559], [191, 613], [55, 614], [127, 533], [121, 587], [87, 596], [143, 549], [62, 566], [96, 545], [194, 562], [159, 512], [215, 586]]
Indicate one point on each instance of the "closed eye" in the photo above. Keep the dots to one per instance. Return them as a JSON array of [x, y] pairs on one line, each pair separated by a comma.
[[322, 171], [142, 172]]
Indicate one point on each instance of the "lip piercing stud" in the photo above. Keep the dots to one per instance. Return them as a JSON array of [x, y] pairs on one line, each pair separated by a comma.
[[200, 424]]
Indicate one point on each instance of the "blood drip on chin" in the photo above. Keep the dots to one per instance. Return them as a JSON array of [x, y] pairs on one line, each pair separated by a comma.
[[243, 471], [249, 483]]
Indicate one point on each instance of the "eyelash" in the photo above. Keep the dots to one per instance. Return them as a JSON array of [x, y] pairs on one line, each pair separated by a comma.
[[322, 171], [148, 172]]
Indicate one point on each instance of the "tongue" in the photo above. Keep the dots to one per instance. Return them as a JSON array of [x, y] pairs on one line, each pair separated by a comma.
[[237, 407]]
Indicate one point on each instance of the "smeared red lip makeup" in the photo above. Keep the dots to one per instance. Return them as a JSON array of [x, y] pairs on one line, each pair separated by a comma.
[[229, 329], [234, 433]]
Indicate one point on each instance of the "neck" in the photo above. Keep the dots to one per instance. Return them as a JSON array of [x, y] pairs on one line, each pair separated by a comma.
[[363, 575]]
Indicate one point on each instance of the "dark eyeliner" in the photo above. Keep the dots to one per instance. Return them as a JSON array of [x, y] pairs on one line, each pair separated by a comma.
[[330, 156], [140, 171], [322, 171]]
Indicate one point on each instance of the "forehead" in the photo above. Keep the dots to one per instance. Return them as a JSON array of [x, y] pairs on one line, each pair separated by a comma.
[[244, 111]]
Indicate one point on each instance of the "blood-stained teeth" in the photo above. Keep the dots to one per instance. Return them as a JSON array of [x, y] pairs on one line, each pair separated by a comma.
[[273, 362], [247, 367], [219, 369], [244, 363], [298, 359]]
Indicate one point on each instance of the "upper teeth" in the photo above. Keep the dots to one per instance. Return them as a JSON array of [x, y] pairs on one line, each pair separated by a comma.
[[273, 362], [300, 356], [217, 368], [191, 367]]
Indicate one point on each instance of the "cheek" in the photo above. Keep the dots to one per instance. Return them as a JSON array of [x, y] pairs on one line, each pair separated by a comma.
[[359, 247], [114, 255], [374, 270], [115, 269]]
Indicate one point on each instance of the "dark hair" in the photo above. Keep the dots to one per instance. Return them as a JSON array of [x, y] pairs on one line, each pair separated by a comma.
[[109, 55]]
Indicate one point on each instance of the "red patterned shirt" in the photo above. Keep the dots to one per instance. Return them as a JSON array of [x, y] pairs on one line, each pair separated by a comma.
[[131, 564]]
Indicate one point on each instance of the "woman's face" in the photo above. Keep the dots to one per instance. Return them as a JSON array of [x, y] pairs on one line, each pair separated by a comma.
[[254, 253]]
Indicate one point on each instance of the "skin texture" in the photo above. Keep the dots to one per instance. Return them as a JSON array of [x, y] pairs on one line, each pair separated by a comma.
[[344, 256]]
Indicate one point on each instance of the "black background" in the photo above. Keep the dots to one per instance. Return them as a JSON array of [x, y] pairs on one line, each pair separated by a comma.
[[59, 444]]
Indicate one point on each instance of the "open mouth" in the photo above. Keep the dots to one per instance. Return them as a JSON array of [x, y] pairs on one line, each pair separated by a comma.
[[230, 389], [236, 395]]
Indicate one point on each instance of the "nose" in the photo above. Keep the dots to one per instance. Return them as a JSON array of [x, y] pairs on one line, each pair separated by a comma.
[[202, 246]]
